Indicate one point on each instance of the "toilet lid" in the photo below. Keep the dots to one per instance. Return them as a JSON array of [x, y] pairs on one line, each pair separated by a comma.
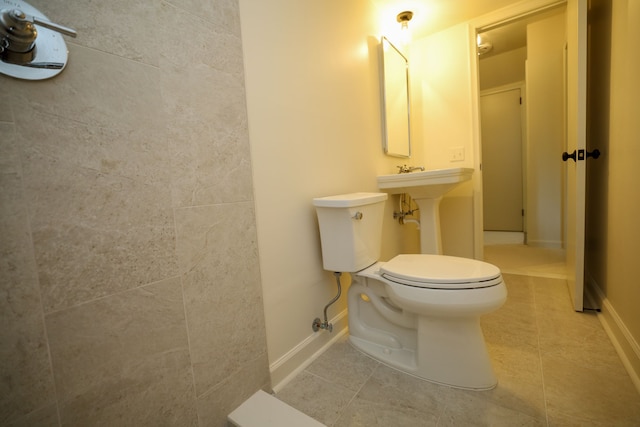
[[440, 272]]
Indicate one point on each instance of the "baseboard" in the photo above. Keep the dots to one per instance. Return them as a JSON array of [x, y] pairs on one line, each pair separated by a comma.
[[301, 356], [549, 244], [624, 343], [503, 238]]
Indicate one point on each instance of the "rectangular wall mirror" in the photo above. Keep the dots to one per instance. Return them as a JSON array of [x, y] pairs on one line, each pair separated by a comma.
[[394, 71]]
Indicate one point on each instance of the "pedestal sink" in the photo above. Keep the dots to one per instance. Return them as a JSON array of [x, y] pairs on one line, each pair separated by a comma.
[[426, 188]]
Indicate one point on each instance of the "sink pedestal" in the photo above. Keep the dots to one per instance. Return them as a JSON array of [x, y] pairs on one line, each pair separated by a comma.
[[430, 238], [426, 189]]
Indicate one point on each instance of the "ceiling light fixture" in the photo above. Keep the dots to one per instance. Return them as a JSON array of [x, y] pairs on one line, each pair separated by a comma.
[[403, 18]]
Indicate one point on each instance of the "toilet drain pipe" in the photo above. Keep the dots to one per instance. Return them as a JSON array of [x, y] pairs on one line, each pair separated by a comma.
[[317, 323]]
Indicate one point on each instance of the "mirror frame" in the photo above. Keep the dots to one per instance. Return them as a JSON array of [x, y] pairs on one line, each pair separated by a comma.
[[395, 97]]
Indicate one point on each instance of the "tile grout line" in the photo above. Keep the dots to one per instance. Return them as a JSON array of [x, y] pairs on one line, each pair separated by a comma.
[[43, 314], [186, 320], [544, 390], [356, 394], [330, 382]]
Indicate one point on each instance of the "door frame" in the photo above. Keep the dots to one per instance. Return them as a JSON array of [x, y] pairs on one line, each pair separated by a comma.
[[523, 139], [494, 19]]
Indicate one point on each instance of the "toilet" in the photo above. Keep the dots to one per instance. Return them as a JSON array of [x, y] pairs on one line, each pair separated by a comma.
[[417, 313]]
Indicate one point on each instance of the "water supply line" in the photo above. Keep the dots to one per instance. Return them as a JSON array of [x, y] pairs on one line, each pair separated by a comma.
[[317, 323], [405, 203]]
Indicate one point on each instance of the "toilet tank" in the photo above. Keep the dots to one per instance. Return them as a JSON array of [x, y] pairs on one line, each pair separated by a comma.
[[350, 230]]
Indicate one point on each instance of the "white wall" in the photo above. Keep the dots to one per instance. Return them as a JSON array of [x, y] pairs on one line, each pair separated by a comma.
[[613, 234], [443, 65], [442, 62], [502, 69], [621, 285], [313, 100]]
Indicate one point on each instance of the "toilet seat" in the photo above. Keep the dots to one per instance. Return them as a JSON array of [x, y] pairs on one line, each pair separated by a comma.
[[440, 272]]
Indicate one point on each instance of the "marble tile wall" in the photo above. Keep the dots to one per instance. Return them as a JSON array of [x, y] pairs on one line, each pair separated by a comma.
[[129, 279]]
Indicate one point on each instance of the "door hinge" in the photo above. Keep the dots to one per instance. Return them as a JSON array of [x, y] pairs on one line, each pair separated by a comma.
[[520, 100], [522, 212]]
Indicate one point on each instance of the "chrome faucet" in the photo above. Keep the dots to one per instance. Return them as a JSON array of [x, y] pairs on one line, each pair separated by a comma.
[[409, 169]]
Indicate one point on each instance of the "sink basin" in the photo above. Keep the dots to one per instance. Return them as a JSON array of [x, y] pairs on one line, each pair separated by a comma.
[[430, 184]]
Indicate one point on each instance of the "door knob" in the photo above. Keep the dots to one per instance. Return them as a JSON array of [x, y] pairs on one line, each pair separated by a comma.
[[566, 156], [581, 155], [595, 154]]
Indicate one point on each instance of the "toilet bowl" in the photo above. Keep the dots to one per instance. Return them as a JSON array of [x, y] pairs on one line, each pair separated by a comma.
[[427, 325], [417, 313]]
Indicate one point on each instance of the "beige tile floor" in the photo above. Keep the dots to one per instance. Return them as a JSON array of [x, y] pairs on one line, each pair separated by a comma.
[[527, 260], [555, 367]]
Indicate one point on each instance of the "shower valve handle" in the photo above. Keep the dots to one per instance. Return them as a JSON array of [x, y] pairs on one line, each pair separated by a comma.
[[20, 16], [55, 27]]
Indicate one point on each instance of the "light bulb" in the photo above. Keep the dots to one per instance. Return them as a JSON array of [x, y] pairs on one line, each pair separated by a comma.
[[403, 18]]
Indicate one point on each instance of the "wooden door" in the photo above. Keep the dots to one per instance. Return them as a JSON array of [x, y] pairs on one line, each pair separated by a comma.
[[576, 84], [502, 171]]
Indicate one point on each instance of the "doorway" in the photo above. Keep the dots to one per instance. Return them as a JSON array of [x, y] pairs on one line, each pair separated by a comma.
[[525, 194]]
